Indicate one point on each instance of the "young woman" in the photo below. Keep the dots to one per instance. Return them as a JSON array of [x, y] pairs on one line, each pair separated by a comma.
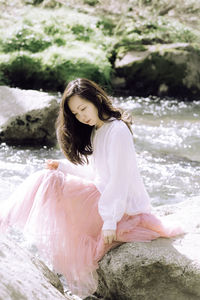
[[79, 208]]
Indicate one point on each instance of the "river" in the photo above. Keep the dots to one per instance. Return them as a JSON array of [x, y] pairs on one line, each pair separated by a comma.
[[167, 139]]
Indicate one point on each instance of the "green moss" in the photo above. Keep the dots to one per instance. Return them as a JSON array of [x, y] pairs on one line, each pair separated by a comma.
[[82, 32], [107, 25], [91, 2], [157, 30], [130, 46], [154, 70], [68, 63], [51, 70], [61, 26], [52, 27], [33, 2], [21, 70], [48, 47], [26, 38], [59, 46]]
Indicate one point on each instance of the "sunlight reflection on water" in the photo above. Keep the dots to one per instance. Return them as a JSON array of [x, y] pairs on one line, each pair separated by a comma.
[[167, 140]]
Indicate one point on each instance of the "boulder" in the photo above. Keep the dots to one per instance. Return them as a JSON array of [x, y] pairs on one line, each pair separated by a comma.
[[25, 277], [27, 117], [167, 269], [162, 69]]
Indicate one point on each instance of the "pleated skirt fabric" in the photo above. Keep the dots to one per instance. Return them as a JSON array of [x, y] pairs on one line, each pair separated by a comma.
[[59, 213]]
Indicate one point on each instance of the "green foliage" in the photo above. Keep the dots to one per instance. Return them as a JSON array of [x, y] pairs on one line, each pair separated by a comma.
[[82, 33], [57, 47], [149, 32], [26, 38], [129, 46], [56, 31], [91, 2], [106, 25], [59, 41], [52, 27], [3, 80], [51, 70], [33, 2], [145, 2], [69, 63], [20, 70], [48, 47]]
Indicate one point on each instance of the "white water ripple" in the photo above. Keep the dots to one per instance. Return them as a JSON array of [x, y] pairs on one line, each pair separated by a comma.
[[167, 140]]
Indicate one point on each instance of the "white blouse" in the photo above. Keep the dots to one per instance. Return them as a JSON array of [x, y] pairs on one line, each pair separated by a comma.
[[113, 169]]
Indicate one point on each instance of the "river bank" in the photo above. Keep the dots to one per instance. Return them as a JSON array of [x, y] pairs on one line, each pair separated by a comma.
[[132, 47]]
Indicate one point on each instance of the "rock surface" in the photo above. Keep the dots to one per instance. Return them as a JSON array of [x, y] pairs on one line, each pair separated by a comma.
[[27, 117], [169, 69], [167, 269], [24, 277]]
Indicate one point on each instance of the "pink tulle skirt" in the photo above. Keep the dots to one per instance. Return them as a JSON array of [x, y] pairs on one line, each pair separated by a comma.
[[60, 215]]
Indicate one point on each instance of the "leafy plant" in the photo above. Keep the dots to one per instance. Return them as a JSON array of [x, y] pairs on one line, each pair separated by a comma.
[[91, 2], [33, 2], [27, 39], [82, 33], [106, 25]]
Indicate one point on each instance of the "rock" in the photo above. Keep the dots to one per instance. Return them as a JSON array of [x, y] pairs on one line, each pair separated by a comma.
[[167, 269], [24, 277], [118, 82], [169, 69], [27, 117]]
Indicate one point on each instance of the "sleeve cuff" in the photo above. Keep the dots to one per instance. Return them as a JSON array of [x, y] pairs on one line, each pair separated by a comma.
[[109, 225]]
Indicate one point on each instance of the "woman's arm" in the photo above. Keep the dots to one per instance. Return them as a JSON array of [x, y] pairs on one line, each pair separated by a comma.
[[65, 166], [120, 152]]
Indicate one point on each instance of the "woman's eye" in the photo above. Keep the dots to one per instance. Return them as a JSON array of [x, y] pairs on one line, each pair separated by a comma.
[[83, 108]]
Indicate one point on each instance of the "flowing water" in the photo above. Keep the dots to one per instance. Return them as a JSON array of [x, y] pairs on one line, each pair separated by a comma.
[[167, 140]]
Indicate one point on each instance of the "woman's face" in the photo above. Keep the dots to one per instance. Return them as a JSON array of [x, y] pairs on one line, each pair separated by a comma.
[[84, 111]]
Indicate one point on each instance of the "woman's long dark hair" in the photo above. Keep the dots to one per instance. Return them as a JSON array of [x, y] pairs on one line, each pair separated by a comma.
[[73, 136]]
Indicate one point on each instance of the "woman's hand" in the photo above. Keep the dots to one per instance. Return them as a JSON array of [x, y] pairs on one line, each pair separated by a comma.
[[109, 236], [52, 164]]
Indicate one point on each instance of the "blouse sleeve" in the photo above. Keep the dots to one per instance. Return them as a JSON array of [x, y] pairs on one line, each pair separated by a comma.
[[84, 171], [112, 203]]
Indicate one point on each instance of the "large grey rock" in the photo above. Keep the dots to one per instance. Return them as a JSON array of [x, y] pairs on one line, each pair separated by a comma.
[[23, 277], [167, 269], [27, 117], [171, 69]]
